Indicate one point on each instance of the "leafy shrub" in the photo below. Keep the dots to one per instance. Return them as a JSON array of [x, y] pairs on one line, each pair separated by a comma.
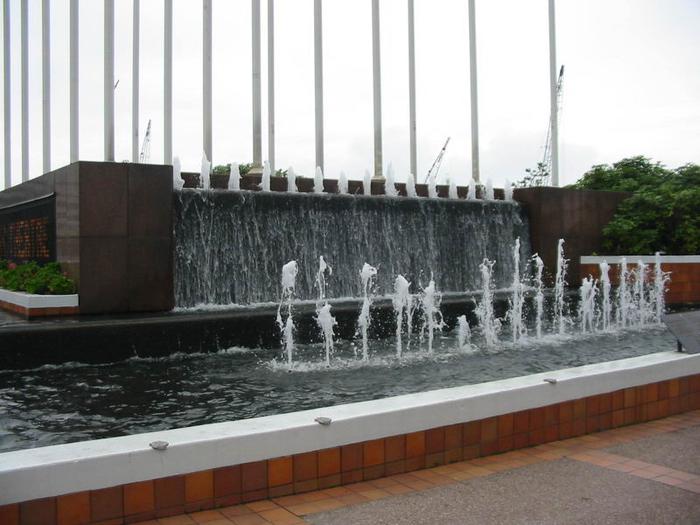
[[35, 279], [663, 212]]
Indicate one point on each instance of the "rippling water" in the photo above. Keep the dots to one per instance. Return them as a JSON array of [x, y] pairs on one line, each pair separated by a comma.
[[73, 402]]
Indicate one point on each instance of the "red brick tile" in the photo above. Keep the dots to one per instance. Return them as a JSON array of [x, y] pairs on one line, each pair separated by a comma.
[[630, 414], [471, 433], [253, 477], [73, 509], [551, 433], [618, 400], [641, 413], [694, 383], [537, 418], [279, 471], [652, 392], [566, 430], [255, 495], [329, 462], [305, 466], [505, 443], [605, 421], [652, 410], [453, 455], [395, 467], [489, 431], [9, 514], [373, 472], [605, 403], [566, 412], [664, 388], [579, 427], [489, 448], [106, 504], [674, 388], [674, 405], [170, 492], [351, 457], [551, 415], [139, 498], [641, 394], [227, 481], [521, 440], [453, 437], [630, 397], [434, 460], [328, 482], [521, 422], [592, 406], [579, 409], [415, 463], [618, 418], [592, 424], [351, 476], [505, 425], [683, 386], [664, 408], [282, 490], [199, 486], [536, 437], [415, 445], [308, 485], [373, 453], [471, 452], [435, 440]]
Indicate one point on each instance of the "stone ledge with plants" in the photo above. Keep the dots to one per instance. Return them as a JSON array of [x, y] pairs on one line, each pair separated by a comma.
[[32, 278]]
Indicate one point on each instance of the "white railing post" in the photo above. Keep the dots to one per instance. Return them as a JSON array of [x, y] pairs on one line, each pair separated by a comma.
[[206, 78], [168, 82], [7, 84], [74, 102], [46, 84], [257, 104], [377, 89], [271, 83], [135, 73], [109, 80], [318, 81], [553, 102], [412, 88], [24, 36], [474, 92]]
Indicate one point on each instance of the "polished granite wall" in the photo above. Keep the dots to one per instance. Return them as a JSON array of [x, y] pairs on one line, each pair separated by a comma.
[[113, 232]]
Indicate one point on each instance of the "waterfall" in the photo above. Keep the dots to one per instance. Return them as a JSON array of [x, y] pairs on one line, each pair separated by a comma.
[[230, 246]]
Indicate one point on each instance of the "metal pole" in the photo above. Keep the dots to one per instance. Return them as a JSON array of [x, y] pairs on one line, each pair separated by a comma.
[[207, 79], [24, 36], [554, 110], [74, 78], [135, 44], [7, 109], [271, 84], [168, 82], [412, 87], [474, 92], [318, 80], [257, 105], [46, 83], [109, 79], [377, 90]]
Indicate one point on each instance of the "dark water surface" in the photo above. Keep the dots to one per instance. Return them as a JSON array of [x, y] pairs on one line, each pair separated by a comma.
[[73, 402]]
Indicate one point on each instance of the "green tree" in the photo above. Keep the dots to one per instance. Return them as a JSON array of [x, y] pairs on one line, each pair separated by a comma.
[[663, 214]]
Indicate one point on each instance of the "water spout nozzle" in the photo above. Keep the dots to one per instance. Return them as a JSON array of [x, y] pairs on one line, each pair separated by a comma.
[[159, 445], [325, 421]]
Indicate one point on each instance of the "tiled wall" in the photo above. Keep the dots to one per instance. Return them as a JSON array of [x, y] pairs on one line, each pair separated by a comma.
[[359, 461], [683, 288], [38, 312]]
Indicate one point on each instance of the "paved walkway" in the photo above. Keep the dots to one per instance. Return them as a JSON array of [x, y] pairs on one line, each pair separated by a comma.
[[646, 473]]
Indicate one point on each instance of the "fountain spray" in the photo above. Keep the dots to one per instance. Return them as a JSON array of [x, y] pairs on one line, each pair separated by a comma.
[[205, 173], [402, 302], [411, 186], [367, 183], [587, 304], [265, 180], [342, 183], [559, 289], [432, 317], [539, 294], [234, 178], [318, 180], [289, 276], [464, 333], [367, 275], [291, 180], [389, 182], [517, 300], [488, 323], [605, 286], [471, 192]]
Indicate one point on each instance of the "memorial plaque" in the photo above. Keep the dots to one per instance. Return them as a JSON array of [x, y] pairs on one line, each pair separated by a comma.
[[28, 231]]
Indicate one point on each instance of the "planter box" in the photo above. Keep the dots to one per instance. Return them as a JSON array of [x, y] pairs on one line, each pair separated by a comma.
[[32, 305]]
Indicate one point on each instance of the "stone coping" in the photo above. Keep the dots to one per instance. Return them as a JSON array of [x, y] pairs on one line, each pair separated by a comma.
[[34, 305]]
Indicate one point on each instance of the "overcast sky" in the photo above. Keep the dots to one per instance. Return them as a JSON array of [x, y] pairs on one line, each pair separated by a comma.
[[632, 83]]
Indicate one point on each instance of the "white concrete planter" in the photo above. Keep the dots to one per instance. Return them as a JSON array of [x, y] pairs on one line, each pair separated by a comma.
[[32, 305]]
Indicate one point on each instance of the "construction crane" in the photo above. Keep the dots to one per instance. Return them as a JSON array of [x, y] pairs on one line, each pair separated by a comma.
[[145, 155], [435, 168], [547, 157]]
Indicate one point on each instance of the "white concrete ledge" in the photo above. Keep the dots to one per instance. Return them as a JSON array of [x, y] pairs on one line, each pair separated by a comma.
[[646, 259], [62, 469], [28, 300]]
